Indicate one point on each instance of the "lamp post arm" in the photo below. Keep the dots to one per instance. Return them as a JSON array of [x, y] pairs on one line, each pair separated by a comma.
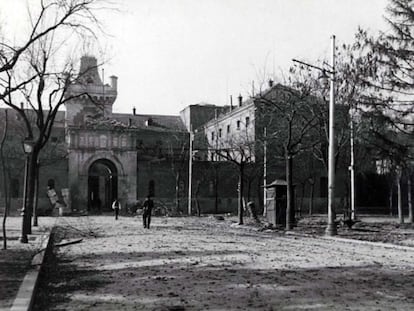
[[313, 66]]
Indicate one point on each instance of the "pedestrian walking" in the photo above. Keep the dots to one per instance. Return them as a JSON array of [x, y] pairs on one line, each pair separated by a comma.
[[116, 206], [147, 209]]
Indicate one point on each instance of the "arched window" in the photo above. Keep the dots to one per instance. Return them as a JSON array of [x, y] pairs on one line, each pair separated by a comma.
[[51, 183]]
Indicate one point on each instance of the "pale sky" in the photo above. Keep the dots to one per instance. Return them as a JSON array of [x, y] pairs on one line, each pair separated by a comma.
[[169, 54]]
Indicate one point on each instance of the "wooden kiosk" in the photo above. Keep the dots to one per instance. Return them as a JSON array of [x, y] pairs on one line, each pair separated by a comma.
[[276, 200]]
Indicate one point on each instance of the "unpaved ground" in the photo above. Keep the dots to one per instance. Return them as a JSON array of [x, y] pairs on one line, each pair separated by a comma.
[[206, 264]]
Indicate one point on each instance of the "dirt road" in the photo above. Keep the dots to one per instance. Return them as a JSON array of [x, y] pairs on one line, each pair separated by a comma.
[[206, 264]]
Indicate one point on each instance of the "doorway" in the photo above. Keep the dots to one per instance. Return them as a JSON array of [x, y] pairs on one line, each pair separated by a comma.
[[102, 186]]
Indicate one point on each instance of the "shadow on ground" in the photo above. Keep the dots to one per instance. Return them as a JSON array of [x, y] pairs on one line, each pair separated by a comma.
[[175, 280]]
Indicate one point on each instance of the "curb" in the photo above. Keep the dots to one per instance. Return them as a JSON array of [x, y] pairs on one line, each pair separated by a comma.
[[355, 241], [25, 296], [381, 244]]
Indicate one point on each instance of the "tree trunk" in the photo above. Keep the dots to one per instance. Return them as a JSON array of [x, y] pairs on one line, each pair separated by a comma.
[[216, 180], [312, 192], [409, 199], [390, 195], [302, 198], [289, 194], [197, 190], [240, 199], [400, 204], [30, 189], [177, 192], [36, 195], [5, 183]]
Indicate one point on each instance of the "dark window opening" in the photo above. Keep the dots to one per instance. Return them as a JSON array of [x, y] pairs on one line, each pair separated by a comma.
[[14, 188], [51, 183], [151, 188], [324, 187]]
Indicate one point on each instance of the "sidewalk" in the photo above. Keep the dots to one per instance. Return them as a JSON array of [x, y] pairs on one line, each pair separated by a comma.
[[383, 229], [15, 261]]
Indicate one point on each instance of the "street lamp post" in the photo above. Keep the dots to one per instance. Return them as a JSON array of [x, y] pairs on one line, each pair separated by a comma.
[[190, 169], [331, 228], [28, 149]]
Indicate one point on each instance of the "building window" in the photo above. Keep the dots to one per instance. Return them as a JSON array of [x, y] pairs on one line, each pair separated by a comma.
[[91, 141], [151, 188], [51, 183], [211, 187], [324, 187], [14, 188], [139, 144], [247, 121], [102, 141], [115, 142], [238, 124], [219, 133], [212, 135], [228, 128], [82, 141], [123, 141]]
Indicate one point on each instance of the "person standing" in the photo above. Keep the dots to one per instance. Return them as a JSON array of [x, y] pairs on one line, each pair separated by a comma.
[[147, 209], [116, 206]]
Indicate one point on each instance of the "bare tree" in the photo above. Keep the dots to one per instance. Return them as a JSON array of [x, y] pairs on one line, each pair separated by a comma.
[[289, 114], [35, 74], [5, 181], [238, 149], [177, 154]]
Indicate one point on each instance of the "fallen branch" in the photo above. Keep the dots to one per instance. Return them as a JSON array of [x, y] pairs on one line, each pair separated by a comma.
[[69, 243]]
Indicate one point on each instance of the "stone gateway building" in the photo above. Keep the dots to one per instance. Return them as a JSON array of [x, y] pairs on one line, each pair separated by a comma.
[[118, 155]]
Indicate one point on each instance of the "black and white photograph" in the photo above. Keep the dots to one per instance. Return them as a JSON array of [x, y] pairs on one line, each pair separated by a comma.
[[206, 155]]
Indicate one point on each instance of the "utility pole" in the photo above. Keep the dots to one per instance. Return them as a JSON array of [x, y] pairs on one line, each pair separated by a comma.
[[352, 164], [331, 228], [190, 169], [264, 174]]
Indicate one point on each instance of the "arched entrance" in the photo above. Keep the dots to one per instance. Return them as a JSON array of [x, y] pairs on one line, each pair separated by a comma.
[[102, 185]]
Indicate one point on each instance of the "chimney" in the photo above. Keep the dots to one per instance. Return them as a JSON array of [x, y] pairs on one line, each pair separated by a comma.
[[129, 122], [231, 102], [114, 82], [134, 111], [270, 83], [240, 100]]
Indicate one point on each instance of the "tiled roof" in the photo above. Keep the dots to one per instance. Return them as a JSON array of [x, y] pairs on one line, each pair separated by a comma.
[[172, 123]]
